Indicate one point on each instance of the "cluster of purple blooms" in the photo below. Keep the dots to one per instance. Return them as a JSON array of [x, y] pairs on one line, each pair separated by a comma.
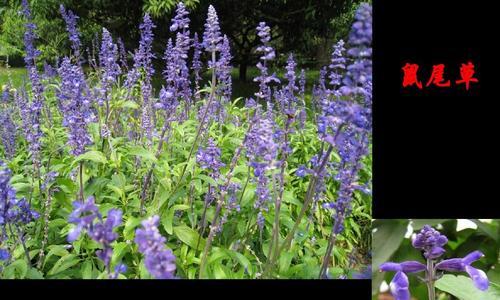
[[209, 159], [346, 125], [431, 243], [31, 111], [13, 212], [74, 36], [262, 151], [176, 73], [8, 129], [75, 102], [86, 217], [267, 54], [158, 259], [108, 61]]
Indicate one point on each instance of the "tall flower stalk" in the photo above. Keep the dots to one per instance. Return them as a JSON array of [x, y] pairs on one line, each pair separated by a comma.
[[31, 111], [211, 42]]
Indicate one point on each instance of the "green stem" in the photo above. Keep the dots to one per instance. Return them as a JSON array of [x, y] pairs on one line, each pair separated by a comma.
[[430, 279], [81, 180], [200, 127]]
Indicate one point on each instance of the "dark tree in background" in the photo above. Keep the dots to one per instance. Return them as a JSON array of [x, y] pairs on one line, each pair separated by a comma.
[[308, 27], [294, 24]]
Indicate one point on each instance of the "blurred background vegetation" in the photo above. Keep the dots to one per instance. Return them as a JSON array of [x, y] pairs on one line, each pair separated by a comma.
[[392, 242], [306, 27]]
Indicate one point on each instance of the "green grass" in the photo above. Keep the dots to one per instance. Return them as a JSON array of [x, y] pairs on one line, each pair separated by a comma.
[[240, 88], [17, 75]]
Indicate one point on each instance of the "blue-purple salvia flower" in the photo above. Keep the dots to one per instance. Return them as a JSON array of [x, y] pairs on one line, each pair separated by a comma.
[[431, 242], [49, 71], [144, 59], [176, 72], [122, 54], [478, 277], [337, 64], [86, 217], [75, 102], [13, 211], [158, 259], [74, 35], [32, 111], [345, 124], [209, 159], [267, 54], [211, 36], [224, 70], [8, 131], [261, 151], [110, 70], [359, 72], [196, 64]]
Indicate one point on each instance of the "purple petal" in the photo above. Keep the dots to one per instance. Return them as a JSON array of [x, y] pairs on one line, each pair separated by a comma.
[[412, 266], [73, 234], [452, 265], [399, 286], [472, 257], [478, 277], [435, 252], [390, 266]]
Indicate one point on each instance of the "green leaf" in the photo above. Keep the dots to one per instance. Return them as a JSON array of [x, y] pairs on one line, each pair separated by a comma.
[[463, 288], [208, 179], [284, 261], [242, 260], [119, 250], [140, 151], [417, 224], [17, 269], [34, 274], [130, 225], [87, 270], [486, 229], [168, 218], [386, 239], [57, 250], [188, 236], [95, 156], [64, 263]]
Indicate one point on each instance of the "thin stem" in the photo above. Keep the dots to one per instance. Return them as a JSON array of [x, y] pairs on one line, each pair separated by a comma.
[[81, 180], [307, 201], [430, 279], [213, 229], [220, 201], [147, 179], [200, 127], [21, 238], [328, 253]]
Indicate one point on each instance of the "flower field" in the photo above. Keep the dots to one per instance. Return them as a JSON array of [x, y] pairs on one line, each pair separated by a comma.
[[103, 176]]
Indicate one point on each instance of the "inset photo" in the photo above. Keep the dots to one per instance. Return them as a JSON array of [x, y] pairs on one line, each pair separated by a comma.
[[436, 259]]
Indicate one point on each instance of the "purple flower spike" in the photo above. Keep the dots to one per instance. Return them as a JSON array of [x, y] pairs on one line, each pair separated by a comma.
[[399, 286], [430, 241], [74, 36], [159, 260], [478, 277], [212, 36]]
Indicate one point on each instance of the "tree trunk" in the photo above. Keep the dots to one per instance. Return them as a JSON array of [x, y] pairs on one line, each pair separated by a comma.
[[243, 71]]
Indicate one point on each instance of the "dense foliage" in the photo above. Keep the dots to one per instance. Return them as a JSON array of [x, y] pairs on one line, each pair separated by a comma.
[[105, 177]]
